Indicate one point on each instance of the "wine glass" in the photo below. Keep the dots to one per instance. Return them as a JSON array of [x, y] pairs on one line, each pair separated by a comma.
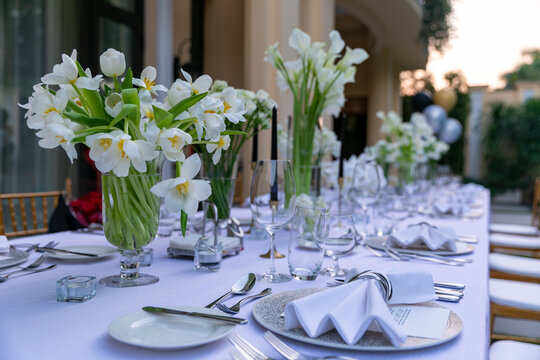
[[366, 186], [396, 209], [272, 201], [340, 238]]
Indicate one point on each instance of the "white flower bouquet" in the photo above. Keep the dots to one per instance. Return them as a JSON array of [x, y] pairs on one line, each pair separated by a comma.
[[317, 81], [129, 132]]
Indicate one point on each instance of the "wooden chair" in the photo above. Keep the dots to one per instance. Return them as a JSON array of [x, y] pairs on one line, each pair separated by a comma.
[[17, 205], [535, 221]]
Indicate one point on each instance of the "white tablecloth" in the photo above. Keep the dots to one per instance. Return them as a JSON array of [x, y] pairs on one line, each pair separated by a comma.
[[34, 326]]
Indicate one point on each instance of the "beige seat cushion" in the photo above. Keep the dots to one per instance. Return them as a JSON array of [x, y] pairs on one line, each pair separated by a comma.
[[508, 349], [517, 241], [511, 264], [515, 294], [514, 229]]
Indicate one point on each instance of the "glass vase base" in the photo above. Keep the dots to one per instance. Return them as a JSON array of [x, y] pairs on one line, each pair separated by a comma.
[[119, 282], [274, 277]]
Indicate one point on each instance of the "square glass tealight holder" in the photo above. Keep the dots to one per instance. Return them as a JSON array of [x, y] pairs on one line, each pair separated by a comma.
[[75, 288], [146, 257]]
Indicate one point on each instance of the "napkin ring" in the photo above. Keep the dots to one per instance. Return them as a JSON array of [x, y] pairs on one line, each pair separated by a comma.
[[382, 280]]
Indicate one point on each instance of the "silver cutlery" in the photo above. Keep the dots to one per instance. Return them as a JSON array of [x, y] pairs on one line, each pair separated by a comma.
[[33, 265], [236, 307], [51, 249], [246, 348], [240, 287], [27, 272], [448, 285], [291, 354], [435, 256], [50, 244], [237, 355], [406, 257], [229, 319]]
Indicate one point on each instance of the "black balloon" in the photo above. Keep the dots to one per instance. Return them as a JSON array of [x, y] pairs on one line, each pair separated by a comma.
[[421, 100]]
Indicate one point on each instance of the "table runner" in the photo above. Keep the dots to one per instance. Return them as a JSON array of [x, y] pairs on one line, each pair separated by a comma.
[[34, 325]]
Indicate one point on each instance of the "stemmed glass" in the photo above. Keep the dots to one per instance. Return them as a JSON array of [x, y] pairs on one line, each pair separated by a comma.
[[366, 186], [396, 209], [272, 201], [340, 238]]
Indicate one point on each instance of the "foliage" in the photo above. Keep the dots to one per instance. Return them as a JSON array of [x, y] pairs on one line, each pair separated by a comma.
[[436, 26], [529, 69], [512, 146]]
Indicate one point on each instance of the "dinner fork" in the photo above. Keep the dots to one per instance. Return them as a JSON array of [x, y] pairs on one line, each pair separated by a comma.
[[27, 272], [291, 354], [33, 265], [402, 256], [246, 348], [50, 244]]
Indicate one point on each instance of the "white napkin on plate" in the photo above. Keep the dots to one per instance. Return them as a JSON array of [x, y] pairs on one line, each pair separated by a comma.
[[352, 308], [450, 206], [424, 235], [4, 245]]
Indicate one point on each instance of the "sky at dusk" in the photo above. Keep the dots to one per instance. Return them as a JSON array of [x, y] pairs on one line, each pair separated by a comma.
[[488, 38]]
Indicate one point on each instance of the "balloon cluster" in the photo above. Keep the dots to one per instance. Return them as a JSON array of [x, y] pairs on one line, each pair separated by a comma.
[[435, 108]]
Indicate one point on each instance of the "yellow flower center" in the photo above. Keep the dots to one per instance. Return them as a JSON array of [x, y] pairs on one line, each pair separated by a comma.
[[121, 147], [150, 115], [62, 139], [105, 143], [209, 111], [183, 188], [221, 142], [51, 109], [226, 106], [195, 91], [78, 102], [149, 84], [176, 141]]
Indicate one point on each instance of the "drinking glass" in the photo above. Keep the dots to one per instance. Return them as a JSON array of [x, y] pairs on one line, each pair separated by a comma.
[[272, 201], [306, 243], [366, 186], [396, 209], [340, 238]]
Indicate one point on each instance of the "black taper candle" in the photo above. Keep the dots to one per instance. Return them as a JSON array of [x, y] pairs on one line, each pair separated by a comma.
[[273, 156], [342, 127], [254, 154]]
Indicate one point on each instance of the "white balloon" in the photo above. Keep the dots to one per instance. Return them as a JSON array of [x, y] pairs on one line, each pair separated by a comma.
[[436, 116], [451, 131]]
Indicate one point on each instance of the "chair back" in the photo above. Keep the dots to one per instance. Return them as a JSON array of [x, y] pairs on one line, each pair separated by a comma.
[[536, 204]]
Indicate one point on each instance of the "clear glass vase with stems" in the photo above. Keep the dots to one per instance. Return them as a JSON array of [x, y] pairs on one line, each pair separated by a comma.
[[222, 178], [302, 150], [366, 188], [272, 201], [409, 184], [130, 221]]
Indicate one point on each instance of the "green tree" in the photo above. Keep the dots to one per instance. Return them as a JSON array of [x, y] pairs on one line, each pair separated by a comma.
[[436, 25], [528, 69]]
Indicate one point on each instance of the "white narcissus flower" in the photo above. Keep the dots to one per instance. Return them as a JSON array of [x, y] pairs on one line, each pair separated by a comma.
[[114, 104], [336, 43], [233, 108], [184, 193], [201, 85], [117, 152], [148, 81], [45, 108], [66, 73], [222, 143], [172, 142], [352, 57], [300, 41], [58, 134], [272, 55], [112, 63], [178, 92]]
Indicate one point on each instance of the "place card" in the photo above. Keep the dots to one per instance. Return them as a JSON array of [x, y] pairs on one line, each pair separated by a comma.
[[421, 321]]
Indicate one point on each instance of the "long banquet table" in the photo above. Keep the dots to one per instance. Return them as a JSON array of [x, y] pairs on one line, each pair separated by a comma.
[[34, 326]]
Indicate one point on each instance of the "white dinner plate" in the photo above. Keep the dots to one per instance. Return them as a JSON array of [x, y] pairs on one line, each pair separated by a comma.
[[462, 248], [14, 257], [100, 251], [167, 331], [267, 313]]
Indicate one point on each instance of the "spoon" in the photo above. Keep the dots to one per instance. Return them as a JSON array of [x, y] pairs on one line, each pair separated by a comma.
[[236, 307], [240, 287]]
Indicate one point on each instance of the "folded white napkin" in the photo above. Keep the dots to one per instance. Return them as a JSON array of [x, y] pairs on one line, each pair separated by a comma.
[[424, 235], [354, 307], [4, 245], [450, 206]]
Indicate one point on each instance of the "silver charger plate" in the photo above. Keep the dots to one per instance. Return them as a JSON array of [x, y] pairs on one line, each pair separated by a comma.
[[268, 310], [462, 248], [16, 257]]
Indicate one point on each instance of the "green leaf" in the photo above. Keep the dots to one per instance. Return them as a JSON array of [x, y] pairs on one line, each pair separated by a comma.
[[116, 84], [108, 89], [82, 136], [234, 132], [128, 80], [163, 117], [183, 222], [186, 104], [95, 102], [80, 70], [73, 106], [182, 122], [83, 119], [131, 96], [128, 111]]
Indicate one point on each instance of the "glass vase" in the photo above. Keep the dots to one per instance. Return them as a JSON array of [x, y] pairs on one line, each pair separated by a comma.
[[130, 222]]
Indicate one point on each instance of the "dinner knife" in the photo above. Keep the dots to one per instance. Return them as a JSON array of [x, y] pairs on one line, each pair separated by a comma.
[[454, 286], [229, 319], [66, 251], [448, 298]]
